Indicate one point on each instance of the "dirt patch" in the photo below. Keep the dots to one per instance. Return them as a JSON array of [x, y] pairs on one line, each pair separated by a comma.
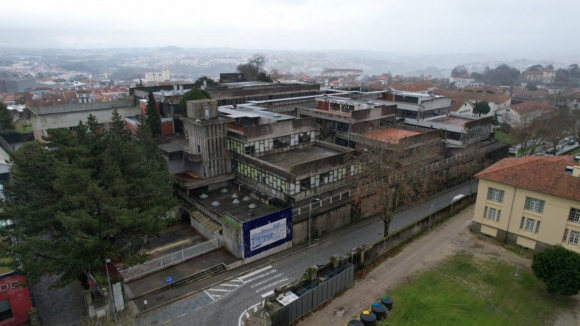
[[450, 236]]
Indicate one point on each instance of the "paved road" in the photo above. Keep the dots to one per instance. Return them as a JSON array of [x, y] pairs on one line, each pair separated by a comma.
[[223, 304]]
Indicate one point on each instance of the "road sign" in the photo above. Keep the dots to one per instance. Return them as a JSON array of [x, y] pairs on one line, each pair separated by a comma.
[[168, 280]]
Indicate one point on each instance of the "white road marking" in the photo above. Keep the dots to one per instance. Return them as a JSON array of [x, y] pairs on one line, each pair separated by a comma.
[[217, 296], [261, 276], [271, 284], [254, 273], [232, 285], [245, 314], [267, 294], [209, 295], [219, 290], [267, 280], [181, 315]]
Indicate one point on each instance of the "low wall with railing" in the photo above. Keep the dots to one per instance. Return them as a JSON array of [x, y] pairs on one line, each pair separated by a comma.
[[157, 264]]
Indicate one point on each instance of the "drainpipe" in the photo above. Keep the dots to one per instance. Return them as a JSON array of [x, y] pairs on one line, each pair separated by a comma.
[[510, 218]]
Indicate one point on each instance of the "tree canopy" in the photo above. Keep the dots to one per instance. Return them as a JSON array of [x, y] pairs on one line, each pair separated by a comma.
[[459, 71], [5, 119], [191, 95], [481, 107], [501, 75], [531, 87], [253, 69], [82, 198], [153, 116], [209, 82], [559, 269]]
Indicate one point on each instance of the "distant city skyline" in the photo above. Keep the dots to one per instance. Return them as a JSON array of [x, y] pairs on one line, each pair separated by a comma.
[[528, 28]]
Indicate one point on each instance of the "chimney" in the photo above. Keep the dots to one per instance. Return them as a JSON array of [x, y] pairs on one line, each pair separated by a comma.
[[576, 171], [181, 87], [174, 88]]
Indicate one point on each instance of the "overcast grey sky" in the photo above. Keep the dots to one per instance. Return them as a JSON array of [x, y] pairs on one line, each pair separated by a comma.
[[520, 27]]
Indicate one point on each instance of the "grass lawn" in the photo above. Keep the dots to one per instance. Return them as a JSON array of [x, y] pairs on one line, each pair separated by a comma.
[[574, 152], [500, 135], [464, 290]]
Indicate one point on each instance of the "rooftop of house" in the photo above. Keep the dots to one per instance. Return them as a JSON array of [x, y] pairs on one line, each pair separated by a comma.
[[545, 174], [532, 106], [391, 135], [287, 159], [463, 96], [238, 209]]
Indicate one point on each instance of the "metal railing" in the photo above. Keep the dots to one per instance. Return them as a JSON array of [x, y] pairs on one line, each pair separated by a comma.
[[156, 264]]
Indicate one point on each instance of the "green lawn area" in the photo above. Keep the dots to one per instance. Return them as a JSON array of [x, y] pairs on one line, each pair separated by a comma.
[[464, 290], [3, 269], [574, 152], [500, 135]]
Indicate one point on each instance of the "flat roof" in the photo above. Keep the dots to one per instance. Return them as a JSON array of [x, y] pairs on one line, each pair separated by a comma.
[[239, 210], [250, 111], [178, 143], [391, 135], [287, 159], [456, 121]]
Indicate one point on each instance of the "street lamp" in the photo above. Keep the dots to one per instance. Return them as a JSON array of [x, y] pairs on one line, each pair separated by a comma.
[[310, 217], [107, 261]]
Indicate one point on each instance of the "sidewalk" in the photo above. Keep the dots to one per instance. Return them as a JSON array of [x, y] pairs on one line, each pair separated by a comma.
[[159, 299]]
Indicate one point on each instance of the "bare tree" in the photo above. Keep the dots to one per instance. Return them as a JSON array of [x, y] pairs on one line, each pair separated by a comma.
[[253, 67], [393, 177], [529, 131]]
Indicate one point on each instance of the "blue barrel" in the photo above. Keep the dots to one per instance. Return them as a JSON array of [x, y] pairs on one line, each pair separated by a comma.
[[368, 318], [387, 301], [355, 323], [380, 310]]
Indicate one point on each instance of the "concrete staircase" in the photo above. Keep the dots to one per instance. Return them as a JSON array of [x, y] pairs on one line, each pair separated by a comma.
[[206, 222]]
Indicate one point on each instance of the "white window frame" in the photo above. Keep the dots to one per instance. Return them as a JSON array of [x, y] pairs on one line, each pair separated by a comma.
[[492, 214], [534, 205], [574, 215], [530, 223], [495, 194], [574, 236]]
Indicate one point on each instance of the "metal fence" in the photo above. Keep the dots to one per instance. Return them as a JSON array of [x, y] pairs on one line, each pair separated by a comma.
[[312, 297], [156, 264]]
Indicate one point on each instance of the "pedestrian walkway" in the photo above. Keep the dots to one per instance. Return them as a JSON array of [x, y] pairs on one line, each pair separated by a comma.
[[182, 293]]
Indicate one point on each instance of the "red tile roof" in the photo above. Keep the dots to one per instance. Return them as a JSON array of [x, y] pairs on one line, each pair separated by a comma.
[[532, 106], [391, 135], [543, 174], [459, 96]]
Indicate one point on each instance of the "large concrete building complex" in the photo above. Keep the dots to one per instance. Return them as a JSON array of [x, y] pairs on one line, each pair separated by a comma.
[[532, 201], [17, 85]]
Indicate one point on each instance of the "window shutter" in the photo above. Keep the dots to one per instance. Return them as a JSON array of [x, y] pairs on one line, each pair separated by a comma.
[[485, 212], [498, 215]]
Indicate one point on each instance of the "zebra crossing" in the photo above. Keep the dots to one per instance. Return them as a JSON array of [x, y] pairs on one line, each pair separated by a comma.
[[261, 282]]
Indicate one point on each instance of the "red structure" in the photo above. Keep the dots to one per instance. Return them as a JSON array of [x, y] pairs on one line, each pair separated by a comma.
[[15, 300]]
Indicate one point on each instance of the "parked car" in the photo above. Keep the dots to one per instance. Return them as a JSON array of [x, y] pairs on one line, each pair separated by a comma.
[[571, 141], [550, 150]]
